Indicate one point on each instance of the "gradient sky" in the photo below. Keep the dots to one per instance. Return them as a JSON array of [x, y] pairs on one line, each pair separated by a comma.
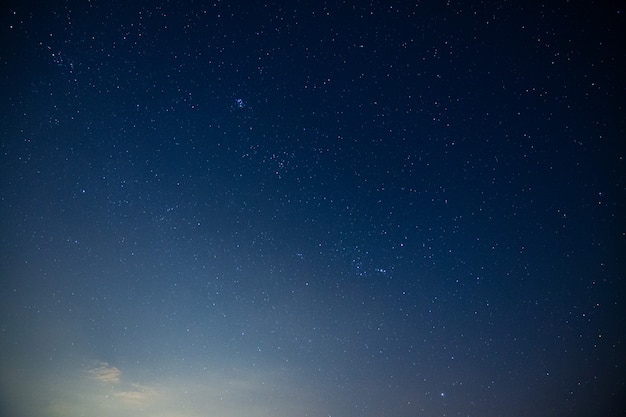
[[312, 208]]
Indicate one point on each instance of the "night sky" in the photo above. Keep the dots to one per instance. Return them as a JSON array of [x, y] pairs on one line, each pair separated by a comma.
[[312, 208]]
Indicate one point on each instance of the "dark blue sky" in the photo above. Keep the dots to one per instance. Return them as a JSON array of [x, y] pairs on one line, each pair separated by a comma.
[[308, 208]]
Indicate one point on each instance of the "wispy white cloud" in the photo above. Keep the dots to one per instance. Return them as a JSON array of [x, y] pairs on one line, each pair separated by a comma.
[[106, 373], [138, 394]]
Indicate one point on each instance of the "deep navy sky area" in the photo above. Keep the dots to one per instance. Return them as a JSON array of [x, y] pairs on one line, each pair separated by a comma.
[[312, 208]]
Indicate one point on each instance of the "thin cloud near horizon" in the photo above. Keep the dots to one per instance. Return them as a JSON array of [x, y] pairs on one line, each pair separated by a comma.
[[106, 373]]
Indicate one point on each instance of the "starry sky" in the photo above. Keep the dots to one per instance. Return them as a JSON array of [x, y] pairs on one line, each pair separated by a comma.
[[312, 208]]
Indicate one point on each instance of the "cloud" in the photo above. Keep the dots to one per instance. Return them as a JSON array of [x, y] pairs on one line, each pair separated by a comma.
[[106, 373], [126, 394], [137, 394]]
